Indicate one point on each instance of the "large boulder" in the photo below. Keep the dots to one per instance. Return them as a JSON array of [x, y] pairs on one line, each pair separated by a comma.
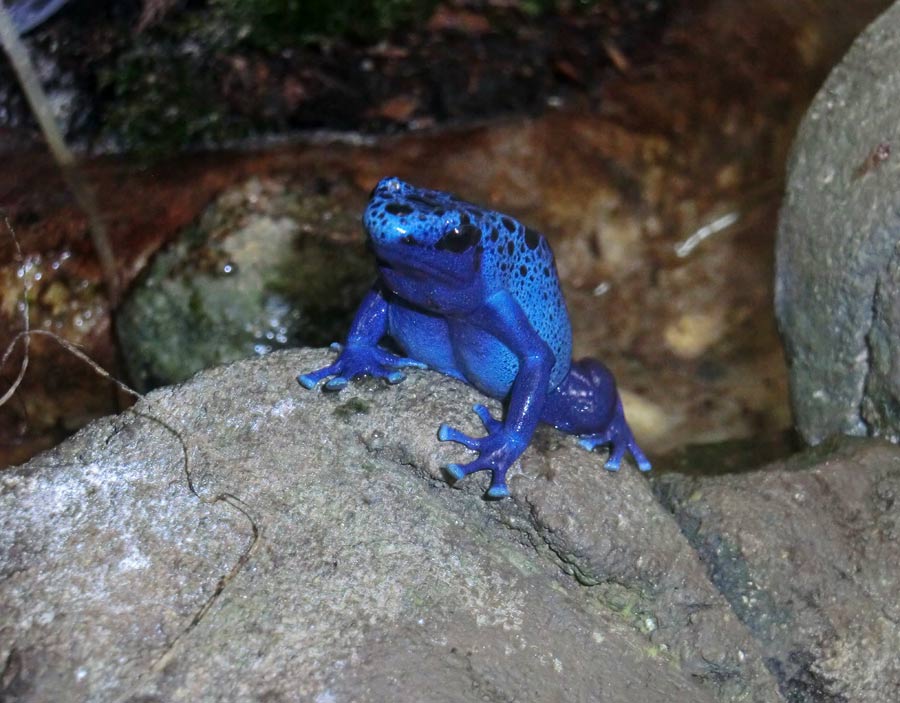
[[240, 538], [838, 252]]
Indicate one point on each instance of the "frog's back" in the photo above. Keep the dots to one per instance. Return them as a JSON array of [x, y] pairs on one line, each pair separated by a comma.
[[519, 260]]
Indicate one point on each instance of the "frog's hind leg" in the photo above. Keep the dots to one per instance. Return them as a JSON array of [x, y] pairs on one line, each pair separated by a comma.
[[619, 437], [587, 404]]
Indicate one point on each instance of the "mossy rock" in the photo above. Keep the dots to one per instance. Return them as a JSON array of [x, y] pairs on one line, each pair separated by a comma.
[[265, 268]]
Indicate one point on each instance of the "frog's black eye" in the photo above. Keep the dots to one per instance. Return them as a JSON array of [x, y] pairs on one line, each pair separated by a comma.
[[459, 239], [398, 209]]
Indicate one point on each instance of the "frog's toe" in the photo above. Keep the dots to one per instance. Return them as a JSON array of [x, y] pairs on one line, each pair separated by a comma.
[[592, 442], [451, 434], [496, 492], [616, 453], [311, 380], [457, 472], [490, 424], [395, 377], [498, 488], [307, 381], [406, 362], [613, 463], [642, 461], [336, 383]]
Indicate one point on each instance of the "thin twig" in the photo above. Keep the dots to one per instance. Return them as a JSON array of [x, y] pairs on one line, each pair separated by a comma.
[[65, 159], [229, 499], [26, 322]]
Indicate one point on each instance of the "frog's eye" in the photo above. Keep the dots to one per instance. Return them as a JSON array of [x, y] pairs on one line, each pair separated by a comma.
[[459, 239], [398, 209]]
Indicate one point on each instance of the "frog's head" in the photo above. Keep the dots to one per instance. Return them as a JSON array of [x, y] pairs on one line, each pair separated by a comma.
[[428, 245]]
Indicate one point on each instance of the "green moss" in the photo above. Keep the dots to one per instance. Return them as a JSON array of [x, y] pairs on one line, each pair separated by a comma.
[[330, 279], [354, 406], [273, 24], [731, 456], [163, 97], [166, 89], [631, 605], [543, 7], [278, 24]]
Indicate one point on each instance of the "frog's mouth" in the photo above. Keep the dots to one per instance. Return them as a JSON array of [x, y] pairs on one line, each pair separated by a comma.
[[422, 271]]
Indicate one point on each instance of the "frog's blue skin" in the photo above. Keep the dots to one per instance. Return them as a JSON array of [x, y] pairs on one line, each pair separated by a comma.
[[474, 294]]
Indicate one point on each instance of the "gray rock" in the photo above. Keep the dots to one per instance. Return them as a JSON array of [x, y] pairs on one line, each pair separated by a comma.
[[837, 254], [311, 550], [807, 551]]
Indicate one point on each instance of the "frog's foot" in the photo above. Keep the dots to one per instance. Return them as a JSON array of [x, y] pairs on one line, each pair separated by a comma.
[[496, 452], [358, 361], [620, 440]]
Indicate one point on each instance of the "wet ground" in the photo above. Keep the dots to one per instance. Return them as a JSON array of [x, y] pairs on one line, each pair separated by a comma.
[[658, 191]]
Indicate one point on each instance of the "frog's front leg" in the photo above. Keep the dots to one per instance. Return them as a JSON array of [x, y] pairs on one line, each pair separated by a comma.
[[502, 317], [361, 354]]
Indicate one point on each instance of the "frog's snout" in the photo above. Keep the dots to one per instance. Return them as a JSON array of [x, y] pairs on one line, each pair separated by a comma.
[[388, 186]]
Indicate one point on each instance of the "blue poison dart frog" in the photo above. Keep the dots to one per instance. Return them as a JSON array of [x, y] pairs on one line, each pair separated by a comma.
[[474, 294]]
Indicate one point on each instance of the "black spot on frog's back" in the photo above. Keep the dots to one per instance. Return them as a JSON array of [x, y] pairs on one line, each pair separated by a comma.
[[532, 238]]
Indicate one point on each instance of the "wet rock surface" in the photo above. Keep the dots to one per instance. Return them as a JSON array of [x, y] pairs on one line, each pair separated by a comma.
[[806, 551], [312, 550], [59, 275], [838, 267]]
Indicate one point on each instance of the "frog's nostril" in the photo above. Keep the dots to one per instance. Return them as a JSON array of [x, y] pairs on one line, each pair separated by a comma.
[[391, 184]]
